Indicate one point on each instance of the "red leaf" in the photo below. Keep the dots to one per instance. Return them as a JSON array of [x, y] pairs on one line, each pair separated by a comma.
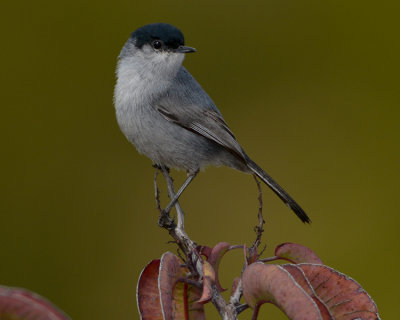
[[170, 271], [272, 283], [196, 309], [343, 296], [22, 304], [163, 294], [215, 257], [204, 251], [147, 293], [296, 253], [298, 274]]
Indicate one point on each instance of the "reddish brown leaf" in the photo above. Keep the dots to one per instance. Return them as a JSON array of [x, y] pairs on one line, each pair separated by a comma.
[[173, 298], [215, 258], [21, 304], [184, 297], [272, 283], [296, 253], [343, 296], [185, 303], [208, 281], [204, 251], [195, 309], [147, 293], [298, 274], [163, 294]]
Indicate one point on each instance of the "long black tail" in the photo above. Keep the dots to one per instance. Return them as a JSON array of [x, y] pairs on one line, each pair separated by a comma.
[[278, 190]]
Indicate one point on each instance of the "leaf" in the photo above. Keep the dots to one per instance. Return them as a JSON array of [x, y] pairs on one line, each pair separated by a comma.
[[204, 251], [272, 283], [147, 293], [163, 294], [173, 298], [22, 304], [215, 257], [208, 281], [195, 309], [298, 274], [343, 296], [296, 253]]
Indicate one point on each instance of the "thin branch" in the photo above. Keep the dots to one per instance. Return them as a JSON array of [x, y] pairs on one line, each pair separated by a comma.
[[171, 194], [178, 232], [157, 191], [179, 253], [191, 282], [176, 197], [259, 228], [235, 297], [236, 246], [226, 311], [164, 220], [262, 250], [240, 308], [193, 259]]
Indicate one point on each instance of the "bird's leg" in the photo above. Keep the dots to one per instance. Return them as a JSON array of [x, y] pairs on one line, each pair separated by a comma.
[[171, 193], [184, 241], [182, 188], [165, 220], [174, 197]]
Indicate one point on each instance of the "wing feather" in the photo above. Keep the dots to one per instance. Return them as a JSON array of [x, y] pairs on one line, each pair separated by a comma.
[[189, 106]]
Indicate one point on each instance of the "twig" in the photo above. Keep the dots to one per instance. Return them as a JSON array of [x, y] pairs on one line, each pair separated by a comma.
[[188, 246], [193, 283], [178, 232], [235, 297], [226, 311], [258, 229], [240, 308], [171, 194], [164, 220], [157, 191], [177, 195]]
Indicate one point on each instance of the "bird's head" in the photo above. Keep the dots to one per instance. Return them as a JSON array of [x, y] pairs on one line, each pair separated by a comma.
[[157, 48]]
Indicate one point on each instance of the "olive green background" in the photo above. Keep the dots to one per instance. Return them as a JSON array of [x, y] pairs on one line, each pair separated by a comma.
[[310, 88]]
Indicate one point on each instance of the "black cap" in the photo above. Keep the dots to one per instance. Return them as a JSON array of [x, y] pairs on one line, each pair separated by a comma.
[[171, 36]]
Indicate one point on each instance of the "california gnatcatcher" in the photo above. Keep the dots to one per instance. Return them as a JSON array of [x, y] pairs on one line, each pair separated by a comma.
[[168, 116]]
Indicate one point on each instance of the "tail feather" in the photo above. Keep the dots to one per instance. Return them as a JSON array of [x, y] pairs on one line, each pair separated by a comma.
[[278, 190]]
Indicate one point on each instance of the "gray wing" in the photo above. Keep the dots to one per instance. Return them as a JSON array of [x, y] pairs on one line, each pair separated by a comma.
[[187, 105]]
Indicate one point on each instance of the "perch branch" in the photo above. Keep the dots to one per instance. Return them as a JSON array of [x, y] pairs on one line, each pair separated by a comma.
[[189, 247], [164, 220], [176, 197], [226, 311], [157, 191], [259, 228], [171, 194], [237, 294]]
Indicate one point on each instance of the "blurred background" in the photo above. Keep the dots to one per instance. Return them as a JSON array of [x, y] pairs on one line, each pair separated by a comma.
[[310, 88]]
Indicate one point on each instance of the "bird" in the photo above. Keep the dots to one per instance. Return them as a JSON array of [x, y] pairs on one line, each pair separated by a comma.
[[166, 114]]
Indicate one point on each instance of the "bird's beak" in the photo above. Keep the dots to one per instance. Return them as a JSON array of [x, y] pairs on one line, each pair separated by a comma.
[[184, 49]]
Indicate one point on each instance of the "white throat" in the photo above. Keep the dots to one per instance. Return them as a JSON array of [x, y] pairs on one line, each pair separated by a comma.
[[145, 74]]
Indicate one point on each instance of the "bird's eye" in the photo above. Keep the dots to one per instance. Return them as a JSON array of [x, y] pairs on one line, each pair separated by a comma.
[[157, 44]]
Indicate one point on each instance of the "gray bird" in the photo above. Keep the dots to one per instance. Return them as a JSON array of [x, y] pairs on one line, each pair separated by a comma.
[[165, 113]]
